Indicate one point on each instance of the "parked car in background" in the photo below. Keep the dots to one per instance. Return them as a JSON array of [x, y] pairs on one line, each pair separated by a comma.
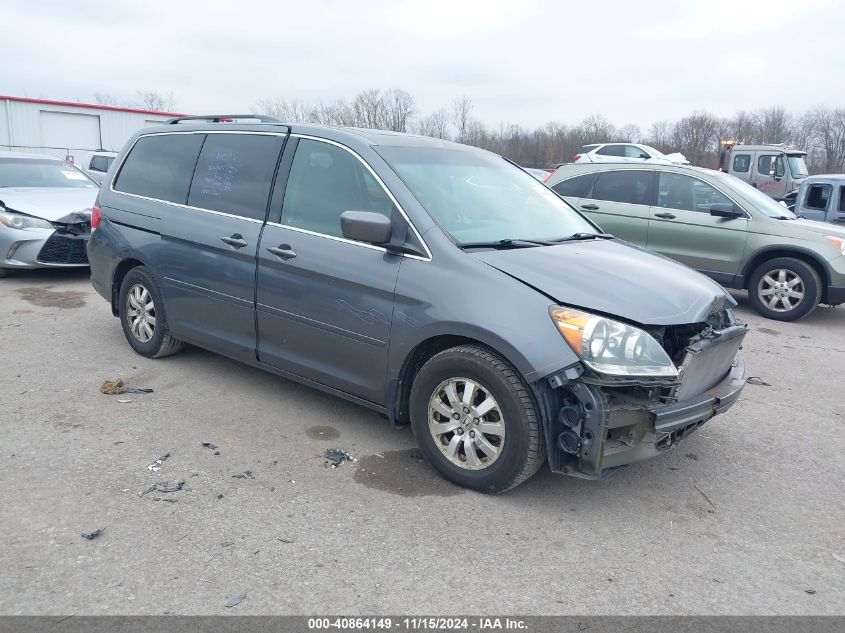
[[539, 174], [775, 169], [436, 283], [718, 225], [99, 164], [45, 212], [625, 153], [822, 198]]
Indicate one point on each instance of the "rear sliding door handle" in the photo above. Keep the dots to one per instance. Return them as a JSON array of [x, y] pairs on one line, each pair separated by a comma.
[[282, 251], [237, 240], [590, 207], [665, 216]]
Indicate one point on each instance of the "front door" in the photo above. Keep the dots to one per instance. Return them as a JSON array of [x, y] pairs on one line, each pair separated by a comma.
[[770, 174], [682, 228], [325, 303]]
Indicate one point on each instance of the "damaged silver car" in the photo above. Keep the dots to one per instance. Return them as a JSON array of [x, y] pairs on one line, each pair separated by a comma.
[[45, 212]]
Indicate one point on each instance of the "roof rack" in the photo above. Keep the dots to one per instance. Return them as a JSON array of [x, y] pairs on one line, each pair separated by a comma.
[[224, 118]]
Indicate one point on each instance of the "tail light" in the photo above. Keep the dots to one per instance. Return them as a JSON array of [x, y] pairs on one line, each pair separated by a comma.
[[577, 156], [549, 176], [96, 217]]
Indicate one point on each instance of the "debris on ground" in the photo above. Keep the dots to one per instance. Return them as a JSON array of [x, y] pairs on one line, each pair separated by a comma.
[[124, 400], [285, 539], [416, 453], [155, 466], [756, 380], [163, 486], [235, 601], [210, 445], [117, 386], [706, 498], [164, 499], [841, 559], [247, 474], [810, 591], [92, 535], [334, 457]]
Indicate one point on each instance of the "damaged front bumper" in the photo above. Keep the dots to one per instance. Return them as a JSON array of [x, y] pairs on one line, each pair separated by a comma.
[[601, 427]]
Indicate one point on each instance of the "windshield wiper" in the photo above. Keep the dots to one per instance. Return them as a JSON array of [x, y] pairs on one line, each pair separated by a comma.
[[577, 237], [506, 243]]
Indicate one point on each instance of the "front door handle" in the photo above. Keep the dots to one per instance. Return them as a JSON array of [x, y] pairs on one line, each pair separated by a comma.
[[282, 251], [665, 216], [590, 207], [237, 240]]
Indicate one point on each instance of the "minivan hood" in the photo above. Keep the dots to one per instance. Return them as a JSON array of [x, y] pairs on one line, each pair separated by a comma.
[[56, 204], [614, 278]]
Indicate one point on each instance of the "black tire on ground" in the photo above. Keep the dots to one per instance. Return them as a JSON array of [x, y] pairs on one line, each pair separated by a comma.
[[162, 342], [810, 284], [522, 450]]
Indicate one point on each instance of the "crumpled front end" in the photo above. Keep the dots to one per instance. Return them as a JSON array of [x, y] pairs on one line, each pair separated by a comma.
[[597, 424]]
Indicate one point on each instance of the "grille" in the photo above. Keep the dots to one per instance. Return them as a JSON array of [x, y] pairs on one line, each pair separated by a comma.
[[61, 249]]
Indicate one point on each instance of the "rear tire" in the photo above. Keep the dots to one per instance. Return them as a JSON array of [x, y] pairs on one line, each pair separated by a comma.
[[142, 315], [496, 441], [784, 289]]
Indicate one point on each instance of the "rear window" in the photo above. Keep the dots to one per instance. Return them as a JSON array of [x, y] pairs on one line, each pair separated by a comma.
[[160, 166], [742, 162], [612, 150], [101, 163], [575, 187], [587, 148], [234, 174]]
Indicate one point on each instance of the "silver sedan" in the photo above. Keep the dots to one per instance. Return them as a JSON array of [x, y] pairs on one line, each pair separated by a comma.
[[45, 212]]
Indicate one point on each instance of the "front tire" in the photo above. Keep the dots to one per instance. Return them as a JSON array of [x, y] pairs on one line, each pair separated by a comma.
[[784, 289], [142, 315], [476, 420]]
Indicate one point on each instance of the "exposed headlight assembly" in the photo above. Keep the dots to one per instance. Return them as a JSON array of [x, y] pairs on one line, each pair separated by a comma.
[[611, 347], [20, 221]]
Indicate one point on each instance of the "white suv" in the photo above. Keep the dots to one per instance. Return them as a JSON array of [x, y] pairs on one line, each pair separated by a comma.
[[626, 153]]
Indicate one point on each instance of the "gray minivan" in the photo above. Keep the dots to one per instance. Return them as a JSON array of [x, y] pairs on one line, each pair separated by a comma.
[[435, 283]]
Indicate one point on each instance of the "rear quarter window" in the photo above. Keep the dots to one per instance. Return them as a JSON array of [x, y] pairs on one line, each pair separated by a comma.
[[576, 187], [160, 167]]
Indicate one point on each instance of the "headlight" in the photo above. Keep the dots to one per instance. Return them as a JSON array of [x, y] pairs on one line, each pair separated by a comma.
[[838, 242], [18, 221], [610, 347]]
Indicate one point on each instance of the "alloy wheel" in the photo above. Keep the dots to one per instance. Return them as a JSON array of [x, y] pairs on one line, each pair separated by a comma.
[[140, 313], [781, 290], [466, 423]]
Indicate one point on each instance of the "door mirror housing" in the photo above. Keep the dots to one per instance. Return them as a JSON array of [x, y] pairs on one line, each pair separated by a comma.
[[726, 210], [366, 226]]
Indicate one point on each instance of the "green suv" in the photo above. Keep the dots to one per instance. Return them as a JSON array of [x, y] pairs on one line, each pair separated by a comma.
[[718, 225]]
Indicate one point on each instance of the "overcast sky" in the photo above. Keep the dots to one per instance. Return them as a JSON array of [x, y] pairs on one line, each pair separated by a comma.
[[524, 62]]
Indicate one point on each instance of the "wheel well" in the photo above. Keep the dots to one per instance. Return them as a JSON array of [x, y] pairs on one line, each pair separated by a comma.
[[120, 272], [804, 257], [415, 360]]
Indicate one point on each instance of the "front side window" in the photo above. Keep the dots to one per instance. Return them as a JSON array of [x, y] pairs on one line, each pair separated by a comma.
[[476, 196], [742, 162], [160, 166], [818, 197], [101, 163], [612, 150], [326, 180], [577, 187], [632, 151], [764, 165], [42, 172], [630, 186], [234, 174], [797, 165], [678, 191]]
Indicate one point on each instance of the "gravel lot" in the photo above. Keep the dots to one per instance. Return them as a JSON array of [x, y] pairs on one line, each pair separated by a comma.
[[744, 517]]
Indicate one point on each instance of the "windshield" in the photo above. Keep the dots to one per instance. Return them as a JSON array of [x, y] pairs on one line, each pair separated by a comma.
[[479, 197], [759, 200], [797, 165], [42, 172]]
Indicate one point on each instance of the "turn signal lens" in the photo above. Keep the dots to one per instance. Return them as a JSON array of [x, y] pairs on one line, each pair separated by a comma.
[[96, 217], [838, 242]]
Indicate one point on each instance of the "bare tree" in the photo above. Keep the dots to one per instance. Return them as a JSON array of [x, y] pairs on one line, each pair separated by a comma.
[[462, 116], [105, 98], [153, 100], [772, 125], [399, 109], [629, 133], [435, 124], [291, 111], [741, 128], [598, 129], [830, 132], [695, 136], [660, 136]]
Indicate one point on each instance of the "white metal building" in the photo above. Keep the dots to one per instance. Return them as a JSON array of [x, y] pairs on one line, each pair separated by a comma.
[[69, 130]]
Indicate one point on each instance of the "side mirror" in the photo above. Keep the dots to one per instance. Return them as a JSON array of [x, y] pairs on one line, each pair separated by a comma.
[[644, 156], [726, 210], [365, 226]]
